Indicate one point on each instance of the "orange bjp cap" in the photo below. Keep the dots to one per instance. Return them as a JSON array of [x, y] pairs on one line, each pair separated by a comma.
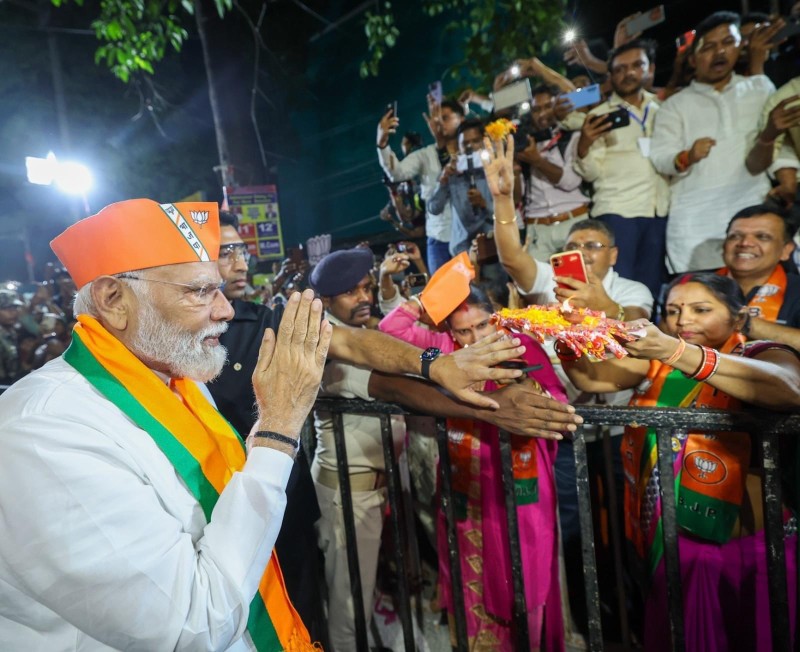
[[448, 288], [137, 234]]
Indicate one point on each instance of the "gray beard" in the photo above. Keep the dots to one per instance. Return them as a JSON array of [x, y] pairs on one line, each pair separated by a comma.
[[159, 342]]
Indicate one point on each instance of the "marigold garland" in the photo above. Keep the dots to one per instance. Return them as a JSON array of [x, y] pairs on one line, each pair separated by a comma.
[[595, 335], [499, 129]]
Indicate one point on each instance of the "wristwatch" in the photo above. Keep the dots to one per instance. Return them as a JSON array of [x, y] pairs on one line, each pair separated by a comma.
[[427, 357]]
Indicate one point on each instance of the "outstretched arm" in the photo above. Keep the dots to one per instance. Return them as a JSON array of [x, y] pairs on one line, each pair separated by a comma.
[[457, 372], [523, 409]]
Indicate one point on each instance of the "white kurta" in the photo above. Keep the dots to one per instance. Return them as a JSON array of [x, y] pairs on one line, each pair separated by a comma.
[[102, 547], [706, 196]]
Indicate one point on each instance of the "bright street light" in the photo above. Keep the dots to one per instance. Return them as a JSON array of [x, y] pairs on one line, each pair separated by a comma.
[[70, 177]]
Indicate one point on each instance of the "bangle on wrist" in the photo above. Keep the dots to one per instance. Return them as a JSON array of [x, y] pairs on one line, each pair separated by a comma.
[[708, 366], [496, 221], [564, 353], [620, 313], [383, 146], [671, 360], [282, 439], [682, 161], [766, 143]]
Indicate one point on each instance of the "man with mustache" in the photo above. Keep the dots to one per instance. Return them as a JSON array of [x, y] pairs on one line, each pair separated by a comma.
[[701, 139], [344, 280], [134, 517], [629, 195]]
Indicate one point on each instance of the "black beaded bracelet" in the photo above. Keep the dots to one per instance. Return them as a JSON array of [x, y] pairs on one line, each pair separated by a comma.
[[276, 436]]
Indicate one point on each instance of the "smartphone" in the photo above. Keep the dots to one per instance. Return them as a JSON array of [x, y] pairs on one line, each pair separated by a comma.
[[435, 90], [296, 255], [585, 96], [618, 118], [392, 106], [512, 95], [487, 249], [647, 20], [416, 282], [462, 162], [569, 264], [685, 40], [792, 28]]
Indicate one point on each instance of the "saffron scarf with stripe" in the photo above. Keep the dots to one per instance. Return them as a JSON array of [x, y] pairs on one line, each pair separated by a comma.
[[202, 446], [710, 468]]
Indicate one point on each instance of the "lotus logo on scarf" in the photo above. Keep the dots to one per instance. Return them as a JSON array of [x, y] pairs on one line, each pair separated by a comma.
[[199, 217], [456, 436], [522, 459], [705, 467], [766, 290]]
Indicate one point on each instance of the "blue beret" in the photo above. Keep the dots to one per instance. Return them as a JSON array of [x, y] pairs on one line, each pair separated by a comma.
[[341, 271]]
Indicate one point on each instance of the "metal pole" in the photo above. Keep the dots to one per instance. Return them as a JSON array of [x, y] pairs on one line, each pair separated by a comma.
[[456, 582], [672, 562], [521, 633], [587, 542], [395, 496], [773, 538], [350, 534]]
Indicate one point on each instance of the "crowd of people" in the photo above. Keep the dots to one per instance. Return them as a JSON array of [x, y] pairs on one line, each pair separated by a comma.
[[679, 197]]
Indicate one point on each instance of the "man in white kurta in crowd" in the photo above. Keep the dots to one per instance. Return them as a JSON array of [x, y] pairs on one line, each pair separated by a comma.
[[132, 517], [701, 139]]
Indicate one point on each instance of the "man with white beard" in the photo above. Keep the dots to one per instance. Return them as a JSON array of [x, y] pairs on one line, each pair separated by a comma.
[[134, 518]]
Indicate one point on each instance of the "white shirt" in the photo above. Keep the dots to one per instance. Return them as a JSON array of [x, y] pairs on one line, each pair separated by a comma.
[[363, 441], [620, 290], [706, 196], [787, 145], [422, 163], [103, 546], [543, 198], [625, 182]]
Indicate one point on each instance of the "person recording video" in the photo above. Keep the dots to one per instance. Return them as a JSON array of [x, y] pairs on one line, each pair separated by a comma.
[[462, 183]]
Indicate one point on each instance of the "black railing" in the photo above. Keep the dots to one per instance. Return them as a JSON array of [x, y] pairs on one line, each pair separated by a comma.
[[768, 425]]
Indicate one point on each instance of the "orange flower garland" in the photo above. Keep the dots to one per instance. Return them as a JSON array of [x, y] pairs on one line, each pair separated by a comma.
[[499, 129], [595, 335]]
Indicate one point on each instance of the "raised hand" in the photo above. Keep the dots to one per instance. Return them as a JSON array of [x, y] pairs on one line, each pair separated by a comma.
[[498, 166], [700, 149], [782, 117], [524, 410], [461, 371], [289, 368], [386, 127], [593, 127]]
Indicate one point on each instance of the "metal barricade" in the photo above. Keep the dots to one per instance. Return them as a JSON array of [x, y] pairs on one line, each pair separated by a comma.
[[768, 425]]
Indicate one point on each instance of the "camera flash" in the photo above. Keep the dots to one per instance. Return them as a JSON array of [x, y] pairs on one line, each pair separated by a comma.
[[515, 70], [485, 155], [569, 36], [525, 107]]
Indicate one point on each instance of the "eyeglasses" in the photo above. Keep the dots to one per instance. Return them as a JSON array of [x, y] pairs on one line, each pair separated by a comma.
[[200, 294], [585, 246], [228, 253]]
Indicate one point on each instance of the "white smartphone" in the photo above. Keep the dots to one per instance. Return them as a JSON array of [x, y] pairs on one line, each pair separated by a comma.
[[647, 20], [512, 95]]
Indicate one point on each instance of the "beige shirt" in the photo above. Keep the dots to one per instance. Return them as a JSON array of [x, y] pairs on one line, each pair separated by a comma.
[[362, 433], [787, 145], [625, 181]]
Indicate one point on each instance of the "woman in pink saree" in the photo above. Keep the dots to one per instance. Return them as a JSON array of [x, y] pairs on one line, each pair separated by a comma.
[[479, 498]]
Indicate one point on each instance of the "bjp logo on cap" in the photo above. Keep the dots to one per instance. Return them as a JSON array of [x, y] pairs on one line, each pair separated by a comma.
[[199, 217]]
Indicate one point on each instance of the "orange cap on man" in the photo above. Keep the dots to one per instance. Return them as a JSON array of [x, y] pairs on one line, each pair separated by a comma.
[[137, 234]]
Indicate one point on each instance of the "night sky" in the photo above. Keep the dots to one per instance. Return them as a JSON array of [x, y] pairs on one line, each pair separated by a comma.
[[316, 116]]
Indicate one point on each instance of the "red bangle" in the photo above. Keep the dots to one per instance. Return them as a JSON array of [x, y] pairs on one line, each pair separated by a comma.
[[708, 367], [682, 161], [564, 353]]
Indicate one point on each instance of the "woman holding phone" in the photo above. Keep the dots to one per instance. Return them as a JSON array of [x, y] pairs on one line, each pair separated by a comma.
[[479, 497]]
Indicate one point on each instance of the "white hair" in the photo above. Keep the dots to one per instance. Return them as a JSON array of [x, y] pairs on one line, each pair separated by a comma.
[[84, 303]]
